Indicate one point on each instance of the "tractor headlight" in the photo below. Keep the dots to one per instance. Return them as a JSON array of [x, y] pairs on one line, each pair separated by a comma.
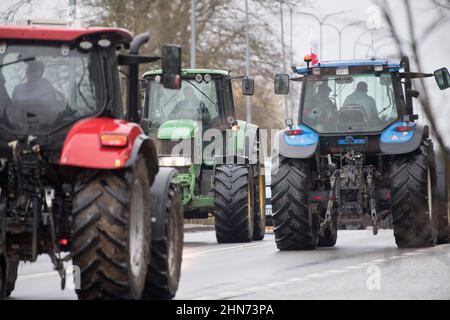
[[174, 161]]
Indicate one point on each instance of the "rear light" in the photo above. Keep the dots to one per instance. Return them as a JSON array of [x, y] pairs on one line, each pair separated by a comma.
[[113, 140], [295, 132], [317, 198], [64, 242], [404, 128]]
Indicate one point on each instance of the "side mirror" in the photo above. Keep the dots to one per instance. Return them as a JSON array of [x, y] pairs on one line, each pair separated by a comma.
[[248, 86], [281, 84], [442, 77], [171, 67]]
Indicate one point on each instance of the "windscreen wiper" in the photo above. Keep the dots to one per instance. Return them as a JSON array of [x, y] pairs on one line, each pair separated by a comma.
[[17, 61]]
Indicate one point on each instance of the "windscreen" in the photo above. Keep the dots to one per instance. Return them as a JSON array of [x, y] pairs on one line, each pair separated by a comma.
[[352, 103], [195, 101], [52, 87]]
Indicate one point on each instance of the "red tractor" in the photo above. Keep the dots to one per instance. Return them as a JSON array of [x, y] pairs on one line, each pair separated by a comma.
[[79, 178]]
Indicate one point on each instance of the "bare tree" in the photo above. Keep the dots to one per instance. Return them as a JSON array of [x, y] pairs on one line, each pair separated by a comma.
[[9, 15], [412, 46]]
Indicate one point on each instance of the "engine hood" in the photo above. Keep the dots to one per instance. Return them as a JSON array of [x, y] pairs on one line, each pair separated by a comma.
[[178, 129]]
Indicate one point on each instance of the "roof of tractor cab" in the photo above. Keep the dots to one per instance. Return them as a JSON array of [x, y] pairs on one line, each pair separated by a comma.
[[59, 33], [392, 67], [185, 72]]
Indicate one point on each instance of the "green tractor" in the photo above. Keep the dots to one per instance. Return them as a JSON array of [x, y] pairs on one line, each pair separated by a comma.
[[217, 157]]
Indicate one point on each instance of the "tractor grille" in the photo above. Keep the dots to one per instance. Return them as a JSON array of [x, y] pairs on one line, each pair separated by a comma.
[[168, 147]]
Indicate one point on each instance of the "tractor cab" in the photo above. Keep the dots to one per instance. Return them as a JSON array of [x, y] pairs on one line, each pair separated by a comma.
[[347, 97], [206, 97], [53, 76]]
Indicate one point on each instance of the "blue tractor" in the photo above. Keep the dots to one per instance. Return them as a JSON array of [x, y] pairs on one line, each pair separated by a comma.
[[357, 153]]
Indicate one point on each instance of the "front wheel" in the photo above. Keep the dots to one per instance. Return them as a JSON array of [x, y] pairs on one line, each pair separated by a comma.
[[111, 232], [233, 199], [413, 189]]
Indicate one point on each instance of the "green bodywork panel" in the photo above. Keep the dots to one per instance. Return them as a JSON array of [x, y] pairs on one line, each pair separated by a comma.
[[185, 72], [178, 129]]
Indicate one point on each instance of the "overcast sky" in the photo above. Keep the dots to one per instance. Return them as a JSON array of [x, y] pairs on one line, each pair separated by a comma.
[[435, 49]]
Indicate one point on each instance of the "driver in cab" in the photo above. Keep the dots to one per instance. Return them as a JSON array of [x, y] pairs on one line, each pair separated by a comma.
[[191, 108], [360, 98], [322, 109], [36, 88]]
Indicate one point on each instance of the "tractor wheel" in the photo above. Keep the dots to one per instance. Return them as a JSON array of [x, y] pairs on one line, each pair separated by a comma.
[[293, 225], [330, 234], [112, 232], [13, 267], [233, 199], [442, 191], [259, 207], [414, 210], [2, 280], [166, 255]]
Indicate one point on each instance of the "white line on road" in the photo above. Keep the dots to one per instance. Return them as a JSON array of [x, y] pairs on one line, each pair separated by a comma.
[[354, 267], [337, 271], [317, 275], [379, 260], [208, 252], [35, 276]]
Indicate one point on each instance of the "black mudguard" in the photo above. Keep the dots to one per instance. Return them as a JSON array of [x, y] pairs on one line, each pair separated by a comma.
[[414, 143], [158, 200], [147, 148], [296, 152]]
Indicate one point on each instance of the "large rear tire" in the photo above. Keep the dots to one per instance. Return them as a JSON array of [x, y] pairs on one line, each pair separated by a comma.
[[259, 207], [442, 190], [166, 255], [294, 227], [233, 199], [111, 232], [414, 210], [13, 267]]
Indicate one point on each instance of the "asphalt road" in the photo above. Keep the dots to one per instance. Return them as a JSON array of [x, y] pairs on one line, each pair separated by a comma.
[[361, 266]]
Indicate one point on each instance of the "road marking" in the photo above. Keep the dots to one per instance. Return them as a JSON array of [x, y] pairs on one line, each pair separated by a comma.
[[317, 275], [36, 276], [208, 252], [411, 253], [379, 260], [365, 264], [394, 257], [252, 289], [295, 279], [354, 267], [275, 284], [337, 271]]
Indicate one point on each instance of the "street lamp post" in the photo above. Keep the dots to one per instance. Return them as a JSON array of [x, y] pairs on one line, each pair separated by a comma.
[[341, 31], [321, 24], [283, 53], [193, 35], [248, 106]]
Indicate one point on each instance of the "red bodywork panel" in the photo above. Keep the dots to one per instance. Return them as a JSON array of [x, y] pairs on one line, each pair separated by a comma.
[[82, 145], [66, 34]]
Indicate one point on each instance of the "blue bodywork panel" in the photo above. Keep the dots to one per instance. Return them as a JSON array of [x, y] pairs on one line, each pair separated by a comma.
[[392, 67], [308, 137], [389, 135], [349, 140]]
